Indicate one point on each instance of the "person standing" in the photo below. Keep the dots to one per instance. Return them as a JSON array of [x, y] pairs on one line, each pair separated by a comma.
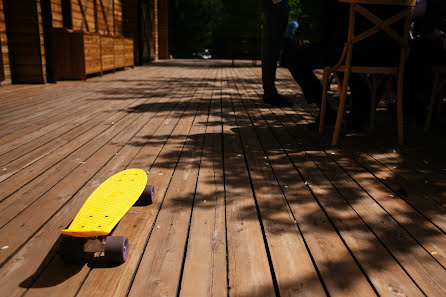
[[329, 31], [276, 19]]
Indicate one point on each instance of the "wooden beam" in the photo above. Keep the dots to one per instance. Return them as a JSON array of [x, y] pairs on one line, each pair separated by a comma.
[[84, 15]]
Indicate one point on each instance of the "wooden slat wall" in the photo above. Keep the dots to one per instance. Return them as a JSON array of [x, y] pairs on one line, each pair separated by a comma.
[[117, 12], [105, 17], [56, 10], [163, 23], [87, 6], [5, 73]]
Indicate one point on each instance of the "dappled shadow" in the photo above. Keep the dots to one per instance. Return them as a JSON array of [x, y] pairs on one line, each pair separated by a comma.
[[362, 221], [342, 216], [335, 209], [322, 205]]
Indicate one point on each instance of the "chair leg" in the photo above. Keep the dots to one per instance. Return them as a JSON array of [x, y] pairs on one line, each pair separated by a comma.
[[325, 82], [342, 100], [427, 123], [338, 81]]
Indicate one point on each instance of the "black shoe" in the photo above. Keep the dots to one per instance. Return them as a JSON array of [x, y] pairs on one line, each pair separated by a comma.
[[277, 100]]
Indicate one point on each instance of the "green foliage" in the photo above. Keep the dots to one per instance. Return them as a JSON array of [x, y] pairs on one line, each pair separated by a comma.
[[228, 28], [295, 9], [191, 25]]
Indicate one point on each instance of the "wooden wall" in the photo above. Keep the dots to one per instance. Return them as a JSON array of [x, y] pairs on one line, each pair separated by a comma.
[[105, 19], [5, 73], [83, 13], [102, 16], [25, 41], [119, 6], [25, 51], [56, 10]]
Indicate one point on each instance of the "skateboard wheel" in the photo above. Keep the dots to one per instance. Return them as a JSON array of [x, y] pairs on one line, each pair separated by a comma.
[[72, 252], [148, 196], [116, 249]]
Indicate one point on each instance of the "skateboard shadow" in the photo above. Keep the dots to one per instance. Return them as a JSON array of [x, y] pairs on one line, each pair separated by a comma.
[[52, 271]]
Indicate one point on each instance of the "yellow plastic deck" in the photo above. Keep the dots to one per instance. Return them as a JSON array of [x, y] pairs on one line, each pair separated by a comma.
[[105, 207]]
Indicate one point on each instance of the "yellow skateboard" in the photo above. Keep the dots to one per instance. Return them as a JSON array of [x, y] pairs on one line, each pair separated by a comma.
[[86, 237]]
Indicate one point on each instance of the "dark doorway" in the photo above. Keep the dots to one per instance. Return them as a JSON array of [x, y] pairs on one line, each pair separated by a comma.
[[47, 24], [24, 41], [2, 70]]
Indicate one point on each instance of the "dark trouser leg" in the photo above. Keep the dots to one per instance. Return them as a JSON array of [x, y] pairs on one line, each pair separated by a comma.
[[302, 61], [276, 18], [308, 82]]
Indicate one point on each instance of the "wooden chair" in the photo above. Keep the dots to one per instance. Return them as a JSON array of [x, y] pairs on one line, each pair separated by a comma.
[[439, 82], [345, 62]]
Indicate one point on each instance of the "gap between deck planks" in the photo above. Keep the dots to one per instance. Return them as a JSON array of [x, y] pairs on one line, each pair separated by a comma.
[[61, 216], [249, 203], [91, 285], [24, 225], [422, 255]]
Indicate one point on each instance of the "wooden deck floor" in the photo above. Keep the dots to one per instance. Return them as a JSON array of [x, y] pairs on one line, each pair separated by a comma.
[[249, 202]]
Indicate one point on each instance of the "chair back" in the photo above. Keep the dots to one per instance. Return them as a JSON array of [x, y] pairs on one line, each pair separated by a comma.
[[381, 43]]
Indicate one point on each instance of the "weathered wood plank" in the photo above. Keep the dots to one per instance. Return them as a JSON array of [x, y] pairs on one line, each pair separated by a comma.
[[18, 230], [417, 174], [15, 136], [249, 273], [48, 180], [428, 274], [327, 251], [295, 275], [204, 271], [120, 103], [164, 252], [32, 151], [423, 203], [145, 150], [432, 239], [389, 281], [267, 198], [62, 162]]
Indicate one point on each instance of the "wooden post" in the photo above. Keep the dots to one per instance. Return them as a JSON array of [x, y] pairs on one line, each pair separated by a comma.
[[4, 57]]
